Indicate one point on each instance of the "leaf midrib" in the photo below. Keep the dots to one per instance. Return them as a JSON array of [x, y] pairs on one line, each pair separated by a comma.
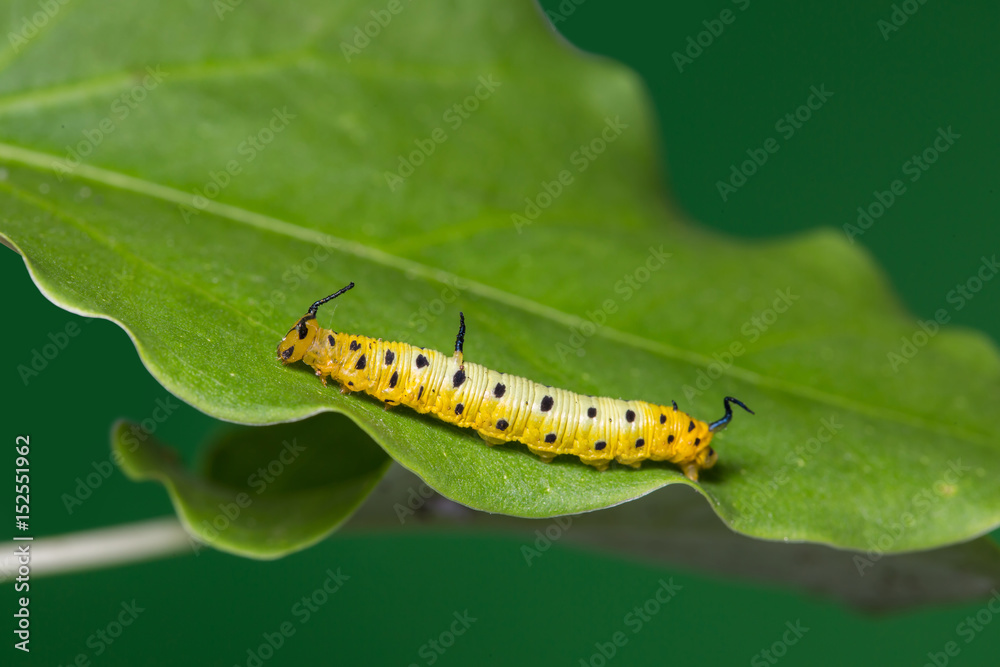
[[116, 82], [138, 186]]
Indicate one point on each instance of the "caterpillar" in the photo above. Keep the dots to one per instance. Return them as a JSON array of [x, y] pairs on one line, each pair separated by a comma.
[[502, 407]]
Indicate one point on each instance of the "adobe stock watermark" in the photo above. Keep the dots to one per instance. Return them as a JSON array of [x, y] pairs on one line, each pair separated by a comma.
[[416, 498], [454, 117], [695, 45], [121, 108], [434, 648], [912, 344], [247, 151], [786, 126], [363, 35], [302, 611], [565, 10], [104, 637], [31, 25], [223, 7], [544, 540], [89, 483], [625, 288], [900, 14], [914, 168], [968, 629], [292, 278], [259, 480], [796, 459], [47, 353], [428, 312], [752, 329], [580, 159], [779, 649], [635, 620], [920, 504]]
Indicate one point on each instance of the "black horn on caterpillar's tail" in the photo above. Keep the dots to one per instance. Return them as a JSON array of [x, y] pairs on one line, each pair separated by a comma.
[[721, 423]]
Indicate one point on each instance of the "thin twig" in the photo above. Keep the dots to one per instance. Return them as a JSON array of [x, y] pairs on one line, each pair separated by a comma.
[[99, 548]]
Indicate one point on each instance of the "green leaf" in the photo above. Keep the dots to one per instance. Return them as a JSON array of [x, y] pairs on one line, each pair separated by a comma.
[[250, 180], [296, 479], [262, 492]]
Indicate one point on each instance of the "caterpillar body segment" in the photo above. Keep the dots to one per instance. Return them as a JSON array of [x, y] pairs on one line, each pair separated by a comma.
[[503, 407]]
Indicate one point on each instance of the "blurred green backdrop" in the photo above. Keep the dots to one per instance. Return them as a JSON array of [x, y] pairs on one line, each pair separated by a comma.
[[889, 97]]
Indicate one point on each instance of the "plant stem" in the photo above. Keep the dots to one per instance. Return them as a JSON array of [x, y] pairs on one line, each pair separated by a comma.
[[98, 548]]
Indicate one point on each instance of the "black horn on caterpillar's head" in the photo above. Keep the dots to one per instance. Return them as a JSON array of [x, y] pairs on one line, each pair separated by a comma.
[[313, 308], [722, 423], [300, 337]]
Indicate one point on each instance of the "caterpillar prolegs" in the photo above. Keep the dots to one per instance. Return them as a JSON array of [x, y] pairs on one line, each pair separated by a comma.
[[502, 407]]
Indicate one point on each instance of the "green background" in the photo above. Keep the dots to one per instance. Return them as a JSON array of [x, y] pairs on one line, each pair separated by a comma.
[[890, 97]]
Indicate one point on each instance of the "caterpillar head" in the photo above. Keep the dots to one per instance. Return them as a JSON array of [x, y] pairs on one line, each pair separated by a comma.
[[298, 340]]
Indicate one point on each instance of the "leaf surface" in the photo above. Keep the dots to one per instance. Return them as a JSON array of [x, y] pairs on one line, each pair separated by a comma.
[[262, 492], [203, 191]]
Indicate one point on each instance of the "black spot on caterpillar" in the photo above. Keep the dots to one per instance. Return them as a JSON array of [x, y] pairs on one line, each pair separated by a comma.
[[472, 396]]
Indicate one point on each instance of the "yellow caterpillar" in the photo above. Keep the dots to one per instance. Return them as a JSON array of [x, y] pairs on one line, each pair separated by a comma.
[[504, 407]]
